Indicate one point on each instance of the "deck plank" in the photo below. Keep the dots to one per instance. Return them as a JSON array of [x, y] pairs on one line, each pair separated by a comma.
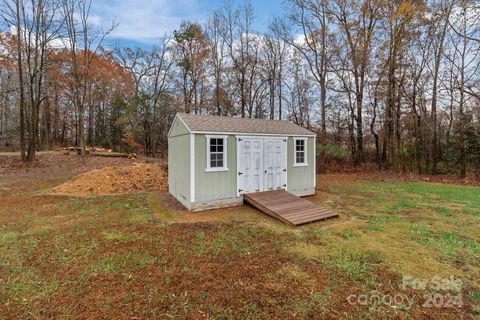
[[287, 207]]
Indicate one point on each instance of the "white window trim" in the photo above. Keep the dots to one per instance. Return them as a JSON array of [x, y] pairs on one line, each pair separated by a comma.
[[225, 153], [303, 164]]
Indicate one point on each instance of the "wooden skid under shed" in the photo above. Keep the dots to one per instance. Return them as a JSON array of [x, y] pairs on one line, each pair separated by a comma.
[[287, 207]]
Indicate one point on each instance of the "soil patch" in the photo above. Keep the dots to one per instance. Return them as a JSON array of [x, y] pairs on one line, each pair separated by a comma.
[[54, 168], [138, 177]]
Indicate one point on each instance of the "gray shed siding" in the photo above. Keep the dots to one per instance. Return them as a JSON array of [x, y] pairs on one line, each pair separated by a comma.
[[301, 180], [219, 189], [179, 163], [216, 188]]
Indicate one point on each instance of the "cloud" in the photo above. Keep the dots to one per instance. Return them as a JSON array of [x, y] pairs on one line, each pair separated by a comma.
[[146, 20], [299, 39], [55, 41]]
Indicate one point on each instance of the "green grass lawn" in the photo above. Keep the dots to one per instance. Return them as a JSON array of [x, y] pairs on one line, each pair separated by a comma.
[[131, 256]]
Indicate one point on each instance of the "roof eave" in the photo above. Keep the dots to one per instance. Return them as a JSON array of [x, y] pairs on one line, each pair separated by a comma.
[[254, 133]]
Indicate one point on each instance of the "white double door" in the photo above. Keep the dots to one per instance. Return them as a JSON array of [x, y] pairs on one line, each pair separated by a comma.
[[262, 164]]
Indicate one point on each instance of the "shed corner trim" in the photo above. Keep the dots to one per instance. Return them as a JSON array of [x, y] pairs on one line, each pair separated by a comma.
[[192, 167]]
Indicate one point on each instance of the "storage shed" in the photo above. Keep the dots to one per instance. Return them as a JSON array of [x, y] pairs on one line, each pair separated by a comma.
[[214, 160]]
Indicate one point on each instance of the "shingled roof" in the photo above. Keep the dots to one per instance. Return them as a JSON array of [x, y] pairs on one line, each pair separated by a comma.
[[220, 124]]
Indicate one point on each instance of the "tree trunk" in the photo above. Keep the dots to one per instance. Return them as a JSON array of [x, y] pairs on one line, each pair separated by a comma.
[[389, 148], [272, 97], [81, 129], [90, 124], [359, 123], [279, 83], [461, 129], [20, 82], [372, 130], [398, 137], [217, 93], [46, 128], [438, 60]]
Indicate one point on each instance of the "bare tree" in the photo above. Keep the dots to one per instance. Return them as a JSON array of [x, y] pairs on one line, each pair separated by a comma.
[[217, 56], [37, 26], [463, 55], [357, 23], [84, 43], [310, 17], [243, 53], [274, 54], [439, 30], [191, 56]]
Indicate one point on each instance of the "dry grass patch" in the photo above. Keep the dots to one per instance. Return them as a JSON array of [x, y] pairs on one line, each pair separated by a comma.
[[141, 255]]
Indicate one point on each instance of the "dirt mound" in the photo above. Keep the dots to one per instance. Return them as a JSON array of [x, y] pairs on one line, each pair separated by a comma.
[[117, 180]]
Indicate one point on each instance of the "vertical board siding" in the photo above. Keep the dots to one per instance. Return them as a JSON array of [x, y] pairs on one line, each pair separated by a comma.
[[208, 189], [300, 179], [215, 185], [179, 164]]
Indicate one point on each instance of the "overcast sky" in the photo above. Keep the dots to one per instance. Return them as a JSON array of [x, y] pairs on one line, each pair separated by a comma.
[[143, 23]]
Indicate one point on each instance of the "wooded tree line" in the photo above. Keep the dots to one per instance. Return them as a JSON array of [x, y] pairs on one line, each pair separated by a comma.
[[391, 82], [56, 79]]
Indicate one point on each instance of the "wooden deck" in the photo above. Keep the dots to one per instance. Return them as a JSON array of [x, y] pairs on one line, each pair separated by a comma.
[[287, 207]]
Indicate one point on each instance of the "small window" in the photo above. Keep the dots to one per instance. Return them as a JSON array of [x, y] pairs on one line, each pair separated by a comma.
[[216, 153], [300, 152]]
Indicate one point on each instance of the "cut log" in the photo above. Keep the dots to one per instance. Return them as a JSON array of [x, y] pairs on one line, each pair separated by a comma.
[[111, 154]]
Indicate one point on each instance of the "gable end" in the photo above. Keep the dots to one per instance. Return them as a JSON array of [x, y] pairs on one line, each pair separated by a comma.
[[178, 127]]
